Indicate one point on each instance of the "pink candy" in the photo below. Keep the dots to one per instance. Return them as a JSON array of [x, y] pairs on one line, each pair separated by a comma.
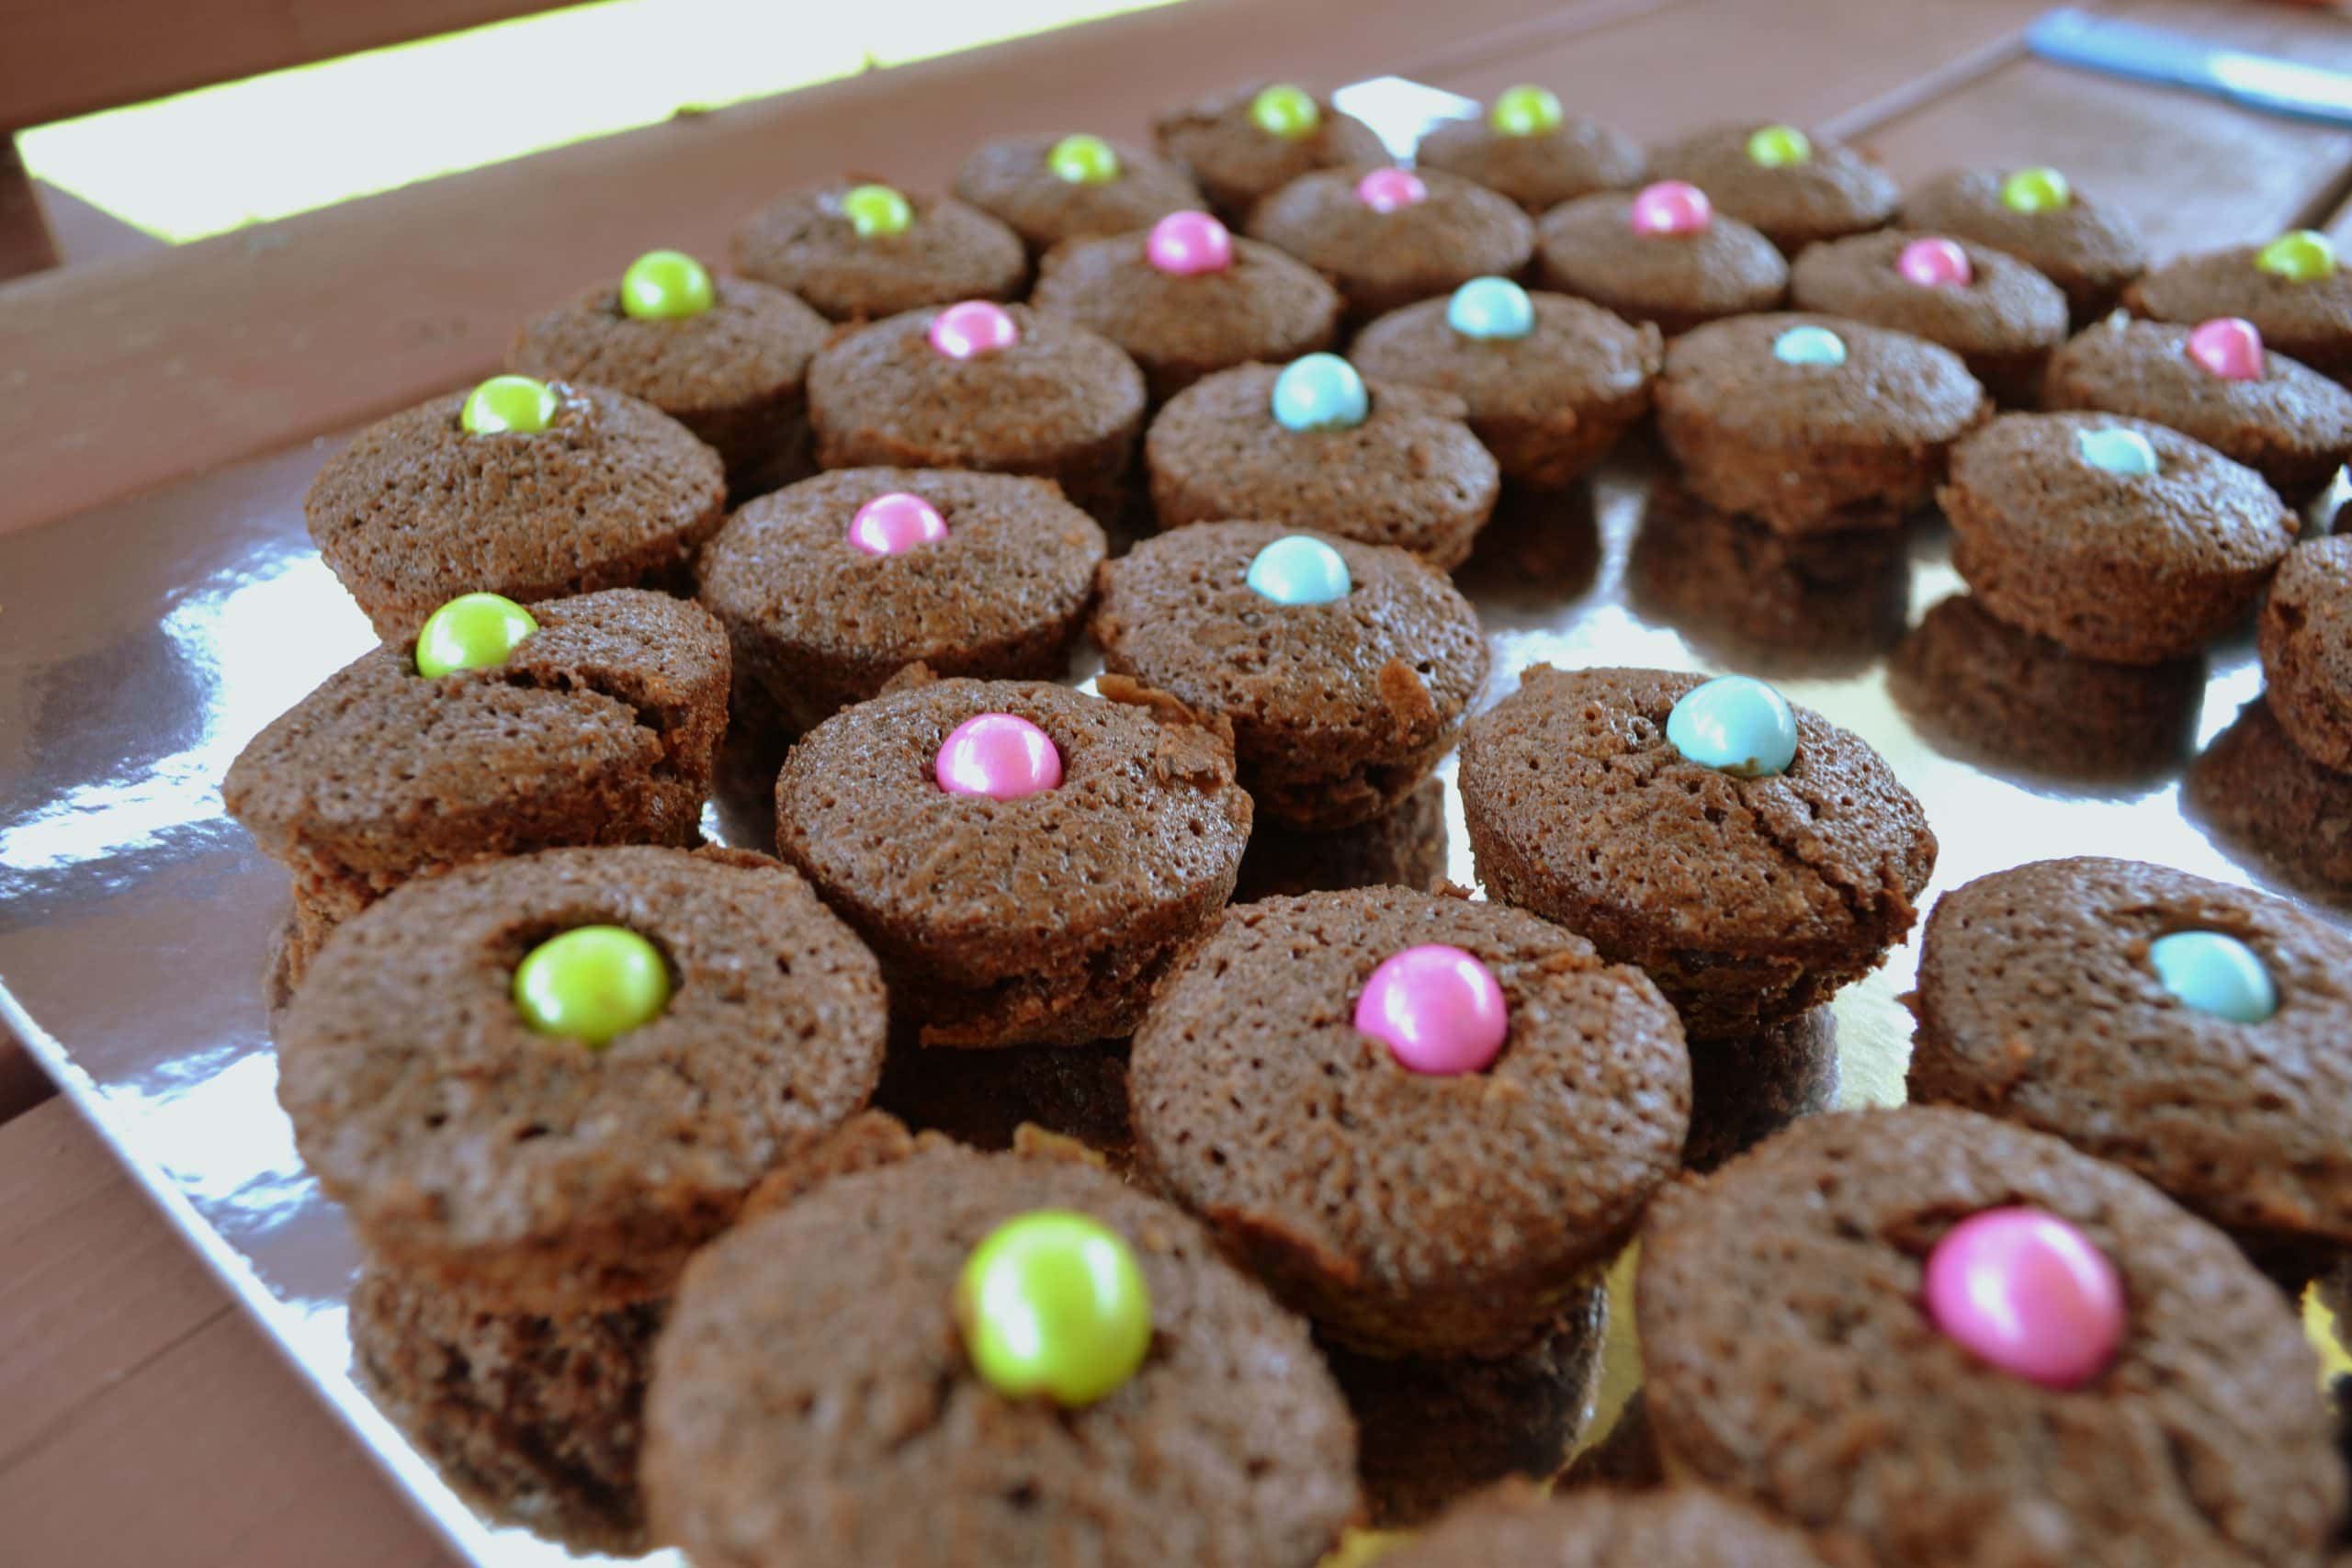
[[2229, 346], [1000, 756], [1672, 206], [1386, 190], [2028, 1292], [1437, 1009], [893, 523], [973, 328], [1185, 245], [1935, 264]]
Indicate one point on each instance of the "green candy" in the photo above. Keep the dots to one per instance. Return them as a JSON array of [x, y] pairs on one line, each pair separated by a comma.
[[1525, 111], [666, 286], [510, 404], [1083, 160], [1055, 1304], [2036, 190], [591, 984], [2301, 256], [473, 631], [1778, 146], [1285, 111], [876, 212]]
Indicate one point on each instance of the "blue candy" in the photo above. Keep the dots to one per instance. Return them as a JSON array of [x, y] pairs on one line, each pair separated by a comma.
[[2214, 974], [1296, 570], [1737, 724], [2117, 450], [1489, 308], [1809, 346], [1320, 392]]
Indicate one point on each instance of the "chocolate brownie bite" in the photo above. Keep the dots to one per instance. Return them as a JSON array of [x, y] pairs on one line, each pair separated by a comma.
[[1999, 315], [1525, 147], [2088, 249], [590, 490], [1551, 382], [2294, 290], [1002, 389], [1052, 189], [998, 1099], [1388, 236], [1662, 256], [1745, 1090], [2152, 1400], [858, 251], [814, 1396], [1027, 860], [2257, 792], [1796, 189], [1680, 1527], [1187, 299], [1427, 1123], [1345, 669], [1811, 423], [599, 726], [1751, 856], [829, 589], [1404, 847], [2115, 538], [2306, 639], [1250, 142], [477, 1137], [1398, 467]]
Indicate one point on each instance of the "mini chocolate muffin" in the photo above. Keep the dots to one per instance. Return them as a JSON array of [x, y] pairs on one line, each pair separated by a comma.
[[1674, 281], [2115, 538], [2256, 791], [2042, 1000], [1409, 1212], [1577, 157], [1339, 709], [1388, 236], [1749, 900], [994, 1100], [2306, 637], [1680, 1527], [945, 251], [1410, 474], [1182, 325], [1058, 402], [1999, 315], [600, 727], [1404, 847], [1019, 180], [2285, 421], [812, 1400], [2306, 319], [1804, 190], [1743, 1091], [1792, 1359], [1548, 402], [732, 374], [823, 609], [2088, 249], [536, 1172], [1811, 423], [1042, 918], [417, 510], [1237, 160]]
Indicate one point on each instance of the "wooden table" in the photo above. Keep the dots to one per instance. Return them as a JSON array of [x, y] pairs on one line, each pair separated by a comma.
[[143, 1420]]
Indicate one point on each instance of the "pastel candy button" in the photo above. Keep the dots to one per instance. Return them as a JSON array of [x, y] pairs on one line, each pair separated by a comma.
[[998, 755], [1285, 111], [1437, 1009], [1525, 110], [2303, 256], [1490, 308], [1735, 723], [1809, 346], [1391, 190], [973, 328], [2117, 451], [2214, 974], [1935, 264], [2229, 346], [2037, 189], [894, 523], [1320, 392], [876, 212], [1083, 160], [666, 286], [1053, 1305], [1778, 146], [473, 631], [1296, 570], [510, 405], [1185, 245], [591, 984], [2028, 1292], [1670, 207]]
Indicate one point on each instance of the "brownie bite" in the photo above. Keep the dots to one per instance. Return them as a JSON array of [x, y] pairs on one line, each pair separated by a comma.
[[1675, 270], [2306, 640], [418, 509], [829, 589], [1388, 236], [1749, 899], [2115, 538], [1051, 188], [1746, 1088], [1794, 188], [813, 1398], [600, 726], [1812, 423], [2259, 793], [1009, 910], [1343, 691], [2155, 1402], [1526, 149], [1406, 472], [1250, 142], [1405, 846], [2214, 383], [1679, 1527], [1002, 388], [2088, 249], [1551, 382], [1999, 315], [1410, 1200], [2294, 290], [857, 250]]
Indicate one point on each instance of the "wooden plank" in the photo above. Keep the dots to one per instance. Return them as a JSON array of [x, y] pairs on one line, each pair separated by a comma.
[[26, 243]]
